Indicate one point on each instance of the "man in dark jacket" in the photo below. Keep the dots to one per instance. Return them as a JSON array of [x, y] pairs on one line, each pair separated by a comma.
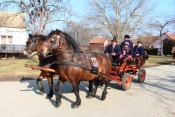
[[138, 52], [113, 50], [138, 49], [127, 39]]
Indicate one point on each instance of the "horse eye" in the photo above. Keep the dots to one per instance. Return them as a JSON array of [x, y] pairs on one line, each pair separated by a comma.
[[27, 43], [52, 40]]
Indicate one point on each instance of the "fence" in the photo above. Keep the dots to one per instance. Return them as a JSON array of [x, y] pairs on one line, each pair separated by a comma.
[[11, 48]]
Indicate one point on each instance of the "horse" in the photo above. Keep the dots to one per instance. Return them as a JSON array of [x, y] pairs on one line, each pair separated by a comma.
[[74, 65], [173, 54], [32, 46]]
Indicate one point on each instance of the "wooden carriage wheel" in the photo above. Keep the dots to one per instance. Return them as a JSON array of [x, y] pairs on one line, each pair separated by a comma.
[[126, 81], [141, 75]]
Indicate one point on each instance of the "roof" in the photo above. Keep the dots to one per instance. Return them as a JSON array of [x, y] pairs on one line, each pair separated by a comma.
[[146, 40], [98, 40], [12, 19], [172, 36]]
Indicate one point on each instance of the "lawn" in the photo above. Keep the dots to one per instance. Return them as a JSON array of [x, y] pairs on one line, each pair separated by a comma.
[[158, 60], [14, 69]]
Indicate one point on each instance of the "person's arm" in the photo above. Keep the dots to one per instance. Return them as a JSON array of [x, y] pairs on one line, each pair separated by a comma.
[[141, 51], [121, 45], [118, 50], [106, 50]]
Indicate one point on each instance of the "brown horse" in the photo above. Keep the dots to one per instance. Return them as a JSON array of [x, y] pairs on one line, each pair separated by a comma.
[[32, 45], [75, 66]]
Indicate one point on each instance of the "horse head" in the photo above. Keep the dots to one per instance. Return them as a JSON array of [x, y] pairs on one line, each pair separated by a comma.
[[31, 45], [57, 42]]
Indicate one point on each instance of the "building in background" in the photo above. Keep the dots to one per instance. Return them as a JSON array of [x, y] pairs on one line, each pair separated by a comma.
[[97, 44], [157, 43], [13, 34]]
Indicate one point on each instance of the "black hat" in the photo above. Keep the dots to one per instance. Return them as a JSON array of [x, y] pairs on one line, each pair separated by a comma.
[[126, 36], [114, 39], [139, 42]]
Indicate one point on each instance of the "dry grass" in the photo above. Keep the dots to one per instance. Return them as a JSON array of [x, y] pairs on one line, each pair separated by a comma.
[[158, 60], [12, 69]]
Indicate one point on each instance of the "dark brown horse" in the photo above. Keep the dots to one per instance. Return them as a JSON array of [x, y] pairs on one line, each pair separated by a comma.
[[75, 66], [32, 46]]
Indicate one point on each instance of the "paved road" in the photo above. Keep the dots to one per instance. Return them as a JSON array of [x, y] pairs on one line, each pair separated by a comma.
[[154, 98]]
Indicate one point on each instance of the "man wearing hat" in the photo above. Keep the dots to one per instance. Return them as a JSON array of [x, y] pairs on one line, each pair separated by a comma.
[[127, 39], [113, 50], [138, 49]]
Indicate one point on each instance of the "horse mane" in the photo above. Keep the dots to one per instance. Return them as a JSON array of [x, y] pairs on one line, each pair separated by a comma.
[[71, 42], [42, 37]]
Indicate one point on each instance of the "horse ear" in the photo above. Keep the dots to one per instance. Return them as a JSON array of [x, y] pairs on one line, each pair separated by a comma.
[[30, 35]]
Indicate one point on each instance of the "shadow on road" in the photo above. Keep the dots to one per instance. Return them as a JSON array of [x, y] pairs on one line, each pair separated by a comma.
[[65, 88]]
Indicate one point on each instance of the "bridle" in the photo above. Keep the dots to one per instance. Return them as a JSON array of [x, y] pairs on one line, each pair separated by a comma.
[[29, 43], [56, 40]]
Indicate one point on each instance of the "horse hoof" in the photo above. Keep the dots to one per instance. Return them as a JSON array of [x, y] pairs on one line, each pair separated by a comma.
[[75, 105], [42, 91], [103, 98], [90, 96], [49, 96], [58, 104]]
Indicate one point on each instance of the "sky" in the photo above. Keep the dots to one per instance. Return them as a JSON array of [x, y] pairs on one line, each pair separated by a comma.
[[164, 6]]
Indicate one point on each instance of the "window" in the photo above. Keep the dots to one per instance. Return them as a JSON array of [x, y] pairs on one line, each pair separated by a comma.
[[10, 39], [3, 39]]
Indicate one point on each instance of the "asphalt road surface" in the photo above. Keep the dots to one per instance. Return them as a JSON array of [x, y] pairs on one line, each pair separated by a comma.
[[153, 98]]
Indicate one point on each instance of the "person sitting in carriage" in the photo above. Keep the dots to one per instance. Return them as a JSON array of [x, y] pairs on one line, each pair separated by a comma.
[[113, 50], [138, 51], [126, 53]]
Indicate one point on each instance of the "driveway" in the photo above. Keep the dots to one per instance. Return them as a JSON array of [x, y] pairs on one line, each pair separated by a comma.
[[153, 98]]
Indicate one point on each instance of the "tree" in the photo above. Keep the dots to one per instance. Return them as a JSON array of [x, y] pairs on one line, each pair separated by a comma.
[[118, 17], [80, 32], [161, 27], [40, 13]]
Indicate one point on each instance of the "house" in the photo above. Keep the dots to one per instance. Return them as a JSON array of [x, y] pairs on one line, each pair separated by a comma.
[[146, 40], [157, 42], [97, 44], [13, 33]]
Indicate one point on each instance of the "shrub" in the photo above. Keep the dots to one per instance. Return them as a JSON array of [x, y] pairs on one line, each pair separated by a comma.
[[151, 51], [167, 46]]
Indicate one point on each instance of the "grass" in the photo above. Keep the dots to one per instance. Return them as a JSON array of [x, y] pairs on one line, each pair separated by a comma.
[[158, 60], [14, 68]]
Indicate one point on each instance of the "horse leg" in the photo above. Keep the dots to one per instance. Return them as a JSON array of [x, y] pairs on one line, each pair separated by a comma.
[[57, 92], [50, 82], [76, 92], [105, 89], [90, 90], [97, 83], [38, 81]]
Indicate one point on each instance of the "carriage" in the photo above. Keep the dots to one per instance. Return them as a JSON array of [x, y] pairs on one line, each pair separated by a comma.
[[124, 73]]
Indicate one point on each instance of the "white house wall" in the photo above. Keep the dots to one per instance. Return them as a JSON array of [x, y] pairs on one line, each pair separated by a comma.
[[157, 43], [19, 36]]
